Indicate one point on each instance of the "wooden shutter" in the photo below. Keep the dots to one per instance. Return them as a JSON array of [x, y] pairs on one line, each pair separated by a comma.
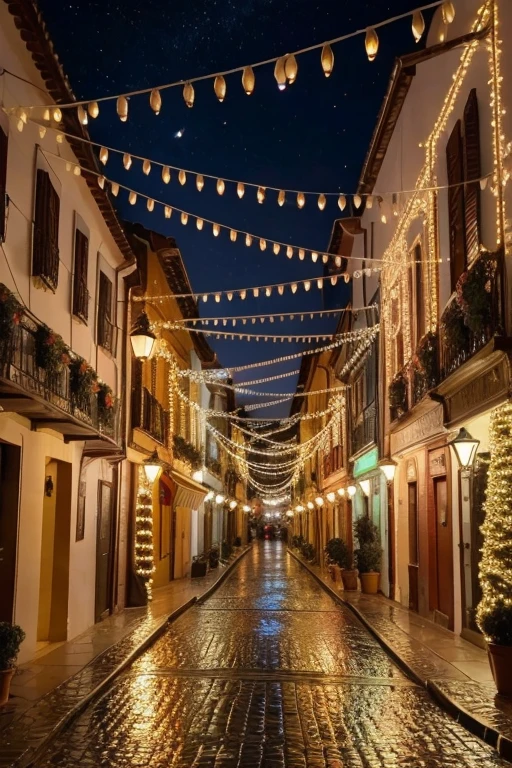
[[105, 324], [80, 292], [455, 168], [3, 182], [472, 171], [45, 255], [420, 294]]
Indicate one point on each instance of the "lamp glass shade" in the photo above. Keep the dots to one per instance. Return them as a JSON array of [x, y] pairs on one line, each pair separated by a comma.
[[151, 471], [142, 344], [341, 491], [311, 505], [233, 504], [365, 487], [351, 490], [331, 497], [319, 501], [219, 498], [289, 513], [299, 508], [209, 496], [465, 448], [388, 470], [246, 508]]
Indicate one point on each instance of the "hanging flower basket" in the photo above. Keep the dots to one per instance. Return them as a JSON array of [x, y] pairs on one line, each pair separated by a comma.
[[398, 393], [475, 293], [105, 404], [83, 382], [185, 451], [50, 351]]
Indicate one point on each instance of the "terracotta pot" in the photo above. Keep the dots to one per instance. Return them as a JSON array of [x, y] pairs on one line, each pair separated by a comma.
[[332, 572], [349, 579], [369, 583], [5, 684], [500, 659]]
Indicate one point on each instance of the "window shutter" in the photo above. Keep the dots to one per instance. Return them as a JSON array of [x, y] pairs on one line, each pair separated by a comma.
[[455, 168], [420, 293], [472, 172], [105, 324], [80, 292], [45, 255], [3, 182]]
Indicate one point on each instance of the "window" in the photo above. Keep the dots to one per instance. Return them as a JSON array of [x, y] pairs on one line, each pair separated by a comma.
[[3, 181], [397, 349], [80, 292], [358, 395], [45, 253], [463, 165], [106, 328], [417, 308]]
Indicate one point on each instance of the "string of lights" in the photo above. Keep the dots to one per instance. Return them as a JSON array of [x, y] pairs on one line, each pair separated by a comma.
[[345, 337]]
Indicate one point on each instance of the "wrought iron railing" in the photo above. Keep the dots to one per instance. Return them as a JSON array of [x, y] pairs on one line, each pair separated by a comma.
[[107, 334], [149, 415], [365, 428], [333, 461]]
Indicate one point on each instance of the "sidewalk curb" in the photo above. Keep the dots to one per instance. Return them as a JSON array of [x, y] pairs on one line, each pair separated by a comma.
[[28, 758], [477, 726]]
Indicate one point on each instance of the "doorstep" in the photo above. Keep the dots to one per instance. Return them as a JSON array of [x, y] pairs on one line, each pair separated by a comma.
[[454, 671], [55, 687]]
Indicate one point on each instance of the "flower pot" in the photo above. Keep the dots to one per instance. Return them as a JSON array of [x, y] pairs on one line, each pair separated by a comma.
[[332, 572], [349, 579], [369, 583], [5, 684], [337, 574], [500, 660]]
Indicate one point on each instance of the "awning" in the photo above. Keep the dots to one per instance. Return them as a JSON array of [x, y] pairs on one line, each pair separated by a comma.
[[189, 494]]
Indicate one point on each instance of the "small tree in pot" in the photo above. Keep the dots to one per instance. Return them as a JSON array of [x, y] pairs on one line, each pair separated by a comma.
[[340, 555], [11, 637], [369, 555]]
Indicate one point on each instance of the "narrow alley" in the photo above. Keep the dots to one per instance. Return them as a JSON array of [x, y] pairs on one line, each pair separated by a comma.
[[269, 672]]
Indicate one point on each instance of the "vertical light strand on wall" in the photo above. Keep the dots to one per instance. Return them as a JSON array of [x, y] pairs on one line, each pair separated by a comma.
[[499, 180], [144, 563]]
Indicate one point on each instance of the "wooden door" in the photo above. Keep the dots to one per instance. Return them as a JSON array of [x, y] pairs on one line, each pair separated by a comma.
[[444, 545], [10, 456], [412, 511], [104, 552]]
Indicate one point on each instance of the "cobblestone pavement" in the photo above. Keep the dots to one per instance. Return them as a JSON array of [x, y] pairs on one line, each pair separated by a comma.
[[268, 673]]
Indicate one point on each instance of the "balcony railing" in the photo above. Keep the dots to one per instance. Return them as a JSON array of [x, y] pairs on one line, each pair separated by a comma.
[[365, 429], [107, 335], [149, 415], [19, 365], [333, 461]]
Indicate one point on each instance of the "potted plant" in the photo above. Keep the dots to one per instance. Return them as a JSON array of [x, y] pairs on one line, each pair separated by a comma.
[[213, 557], [308, 551], [199, 566], [369, 555], [238, 541], [11, 637], [340, 556]]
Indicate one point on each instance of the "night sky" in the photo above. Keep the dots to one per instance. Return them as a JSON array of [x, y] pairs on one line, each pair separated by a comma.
[[312, 136]]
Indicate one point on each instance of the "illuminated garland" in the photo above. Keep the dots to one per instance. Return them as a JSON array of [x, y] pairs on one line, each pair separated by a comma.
[[495, 608], [343, 337], [234, 319], [144, 563]]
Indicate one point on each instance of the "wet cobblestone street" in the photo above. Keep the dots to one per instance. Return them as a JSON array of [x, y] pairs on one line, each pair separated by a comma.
[[271, 672]]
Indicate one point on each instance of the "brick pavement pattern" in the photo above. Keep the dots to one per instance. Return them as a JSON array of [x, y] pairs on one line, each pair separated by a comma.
[[270, 672]]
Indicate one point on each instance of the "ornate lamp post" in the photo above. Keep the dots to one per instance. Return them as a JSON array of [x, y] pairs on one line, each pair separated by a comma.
[[142, 338]]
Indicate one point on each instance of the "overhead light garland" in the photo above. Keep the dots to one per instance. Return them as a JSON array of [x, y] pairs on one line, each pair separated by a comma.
[[342, 337], [272, 317], [285, 72]]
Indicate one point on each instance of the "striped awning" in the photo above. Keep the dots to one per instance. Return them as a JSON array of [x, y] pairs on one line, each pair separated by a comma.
[[189, 494]]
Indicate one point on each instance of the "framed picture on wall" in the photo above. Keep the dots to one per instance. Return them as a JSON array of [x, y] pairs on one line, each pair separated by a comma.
[[80, 514]]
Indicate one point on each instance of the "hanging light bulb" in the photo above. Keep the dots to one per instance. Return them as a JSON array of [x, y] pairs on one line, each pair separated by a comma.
[[483, 183], [150, 205], [276, 248], [281, 197], [327, 60], [302, 254], [219, 86], [199, 182], [394, 204], [448, 11], [233, 235], [248, 240], [114, 188], [334, 279], [101, 182], [216, 230], [166, 174], [184, 218], [301, 200], [132, 198], [325, 258], [59, 137], [230, 298], [307, 285], [357, 201], [199, 223], [42, 131], [255, 292], [342, 202], [369, 201], [261, 194], [240, 190], [337, 261], [56, 115], [217, 298], [280, 289], [243, 294], [248, 80], [146, 167], [127, 161], [93, 109], [268, 292], [371, 43], [205, 297], [263, 244], [314, 256], [294, 287], [182, 177], [122, 108], [46, 115], [322, 201], [188, 94], [289, 251], [418, 25], [280, 74], [167, 211], [291, 68], [103, 155], [220, 186], [77, 170], [155, 101], [82, 115], [320, 283]]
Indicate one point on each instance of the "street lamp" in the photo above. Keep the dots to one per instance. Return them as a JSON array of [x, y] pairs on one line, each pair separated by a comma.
[[388, 468], [341, 492], [331, 497], [310, 505], [233, 504], [351, 490], [319, 501], [465, 448], [246, 508], [365, 487], [142, 338], [152, 466], [219, 499]]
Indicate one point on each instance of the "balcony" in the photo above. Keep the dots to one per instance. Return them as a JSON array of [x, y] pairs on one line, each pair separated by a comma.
[[37, 388], [333, 461], [364, 432], [149, 415]]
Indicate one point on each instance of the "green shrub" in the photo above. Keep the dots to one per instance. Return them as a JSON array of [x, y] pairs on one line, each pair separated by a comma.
[[338, 553], [226, 550], [308, 550], [11, 637], [497, 624], [368, 557]]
